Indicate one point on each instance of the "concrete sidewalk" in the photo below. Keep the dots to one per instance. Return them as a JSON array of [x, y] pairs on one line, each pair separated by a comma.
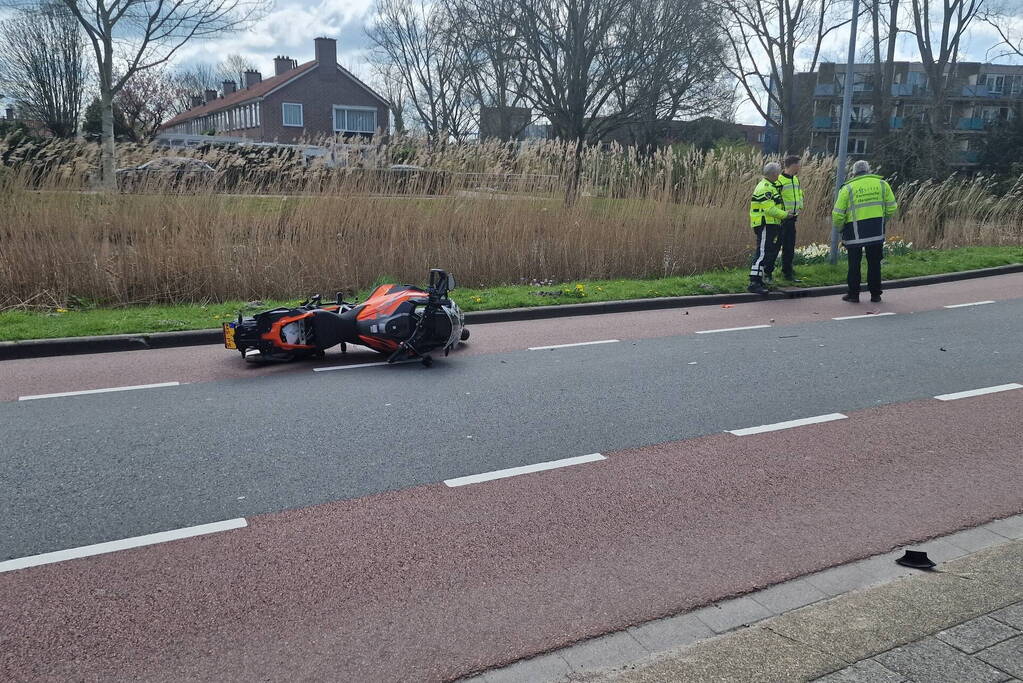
[[868, 621]]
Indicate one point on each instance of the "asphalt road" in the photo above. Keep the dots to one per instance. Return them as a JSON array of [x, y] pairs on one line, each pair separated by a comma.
[[93, 468], [359, 561]]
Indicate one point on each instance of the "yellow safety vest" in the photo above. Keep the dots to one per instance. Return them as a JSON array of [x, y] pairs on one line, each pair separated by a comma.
[[765, 207], [862, 206], [791, 192]]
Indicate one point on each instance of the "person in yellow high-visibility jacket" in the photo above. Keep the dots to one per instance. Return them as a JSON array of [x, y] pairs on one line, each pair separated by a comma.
[[792, 198], [863, 206], [766, 212]]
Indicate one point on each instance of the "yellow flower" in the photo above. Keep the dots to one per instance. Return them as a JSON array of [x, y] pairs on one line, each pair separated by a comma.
[[61, 310]]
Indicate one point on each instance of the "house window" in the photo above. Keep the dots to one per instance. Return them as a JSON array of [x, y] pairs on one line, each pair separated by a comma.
[[995, 83], [355, 119], [855, 145], [292, 114]]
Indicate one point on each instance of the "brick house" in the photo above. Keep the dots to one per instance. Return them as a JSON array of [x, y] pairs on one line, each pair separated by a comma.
[[300, 102]]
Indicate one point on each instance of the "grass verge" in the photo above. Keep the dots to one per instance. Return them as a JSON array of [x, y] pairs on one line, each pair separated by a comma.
[[19, 325]]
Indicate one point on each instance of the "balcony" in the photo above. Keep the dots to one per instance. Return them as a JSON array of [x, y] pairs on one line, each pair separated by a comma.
[[897, 122], [823, 122], [906, 90], [970, 124]]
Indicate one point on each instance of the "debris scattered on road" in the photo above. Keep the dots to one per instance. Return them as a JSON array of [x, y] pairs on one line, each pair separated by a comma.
[[727, 305]]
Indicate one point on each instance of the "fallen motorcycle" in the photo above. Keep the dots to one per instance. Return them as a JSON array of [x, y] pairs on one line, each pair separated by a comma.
[[401, 321]]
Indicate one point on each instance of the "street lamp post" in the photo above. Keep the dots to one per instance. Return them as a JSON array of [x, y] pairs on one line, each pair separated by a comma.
[[843, 135]]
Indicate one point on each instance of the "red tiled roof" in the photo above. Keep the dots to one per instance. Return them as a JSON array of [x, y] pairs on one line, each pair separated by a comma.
[[239, 96]]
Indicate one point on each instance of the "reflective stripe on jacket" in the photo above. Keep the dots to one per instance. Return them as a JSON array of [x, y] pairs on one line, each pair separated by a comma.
[[863, 205], [766, 206], [791, 192]]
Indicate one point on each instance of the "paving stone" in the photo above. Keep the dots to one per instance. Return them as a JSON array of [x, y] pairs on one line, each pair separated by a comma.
[[616, 649], [883, 568], [732, 614], [788, 596], [1007, 656], [838, 580], [932, 660], [1011, 615], [977, 634], [753, 654], [671, 633], [1011, 527], [940, 550], [867, 671], [542, 668], [857, 626], [975, 539]]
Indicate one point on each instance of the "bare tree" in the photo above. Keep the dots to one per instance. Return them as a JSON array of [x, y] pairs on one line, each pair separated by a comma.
[[417, 40], [939, 27], [129, 36], [884, 33], [1006, 18], [43, 61], [147, 99], [768, 42], [233, 68], [496, 78]]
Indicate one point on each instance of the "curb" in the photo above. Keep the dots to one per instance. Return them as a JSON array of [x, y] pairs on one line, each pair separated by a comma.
[[40, 348]]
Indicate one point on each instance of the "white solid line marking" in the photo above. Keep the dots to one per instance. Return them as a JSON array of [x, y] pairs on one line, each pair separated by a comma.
[[565, 346], [98, 391], [124, 544], [973, 303], [788, 425], [979, 392], [525, 469], [363, 365], [732, 329], [865, 315]]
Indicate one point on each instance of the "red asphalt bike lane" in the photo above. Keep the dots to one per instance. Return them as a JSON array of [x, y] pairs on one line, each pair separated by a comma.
[[211, 363], [434, 583]]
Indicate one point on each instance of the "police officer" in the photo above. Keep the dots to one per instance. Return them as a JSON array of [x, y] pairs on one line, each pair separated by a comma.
[[792, 198], [863, 206], [766, 212]]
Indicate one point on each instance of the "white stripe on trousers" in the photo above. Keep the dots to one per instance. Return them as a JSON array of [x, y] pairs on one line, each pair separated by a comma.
[[758, 270]]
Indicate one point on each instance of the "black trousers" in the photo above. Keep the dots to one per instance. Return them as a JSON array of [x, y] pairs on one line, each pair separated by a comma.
[[788, 245], [874, 253], [768, 243]]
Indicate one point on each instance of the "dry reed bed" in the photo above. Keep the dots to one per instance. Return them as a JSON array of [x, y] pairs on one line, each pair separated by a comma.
[[672, 213]]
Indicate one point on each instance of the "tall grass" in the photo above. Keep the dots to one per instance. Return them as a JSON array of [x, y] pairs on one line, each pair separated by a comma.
[[267, 227]]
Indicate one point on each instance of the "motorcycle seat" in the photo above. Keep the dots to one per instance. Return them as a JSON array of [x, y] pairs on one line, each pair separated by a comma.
[[330, 329]]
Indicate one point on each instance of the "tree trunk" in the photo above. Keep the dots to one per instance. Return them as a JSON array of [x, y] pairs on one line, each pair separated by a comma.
[[572, 189]]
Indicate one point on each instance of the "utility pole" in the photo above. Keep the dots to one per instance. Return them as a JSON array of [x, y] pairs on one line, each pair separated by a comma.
[[843, 135]]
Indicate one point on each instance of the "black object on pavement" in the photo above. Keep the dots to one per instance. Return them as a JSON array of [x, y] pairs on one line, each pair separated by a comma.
[[917, 559]]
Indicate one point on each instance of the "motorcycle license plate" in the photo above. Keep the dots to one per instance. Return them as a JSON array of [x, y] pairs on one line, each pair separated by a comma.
[[229, 336]]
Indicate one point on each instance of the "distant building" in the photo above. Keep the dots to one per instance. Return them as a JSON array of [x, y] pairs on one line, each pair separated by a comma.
[[703, 132], [504, 123], [979, 95], [300, 102]]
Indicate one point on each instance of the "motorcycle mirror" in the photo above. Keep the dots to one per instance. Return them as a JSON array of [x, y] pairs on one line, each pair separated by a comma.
[[451, 282]]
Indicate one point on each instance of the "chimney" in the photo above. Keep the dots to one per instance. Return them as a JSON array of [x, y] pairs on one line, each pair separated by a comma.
[[196, 101], [229, 87], [251, 78], [283, 64], [10, 113], [210, 95], [326, 55]]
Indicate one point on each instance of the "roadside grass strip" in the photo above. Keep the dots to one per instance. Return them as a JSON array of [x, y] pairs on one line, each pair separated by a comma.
[[732, 329], [865, 315], [973, 303], [123, 544], [98, 391], [565, 346], [525, 469], [748, 431], [979, 392]]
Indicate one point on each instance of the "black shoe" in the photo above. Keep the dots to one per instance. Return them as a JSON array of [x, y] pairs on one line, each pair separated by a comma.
[[875, 298], [758, 288], [852, 298], [791, 277]]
